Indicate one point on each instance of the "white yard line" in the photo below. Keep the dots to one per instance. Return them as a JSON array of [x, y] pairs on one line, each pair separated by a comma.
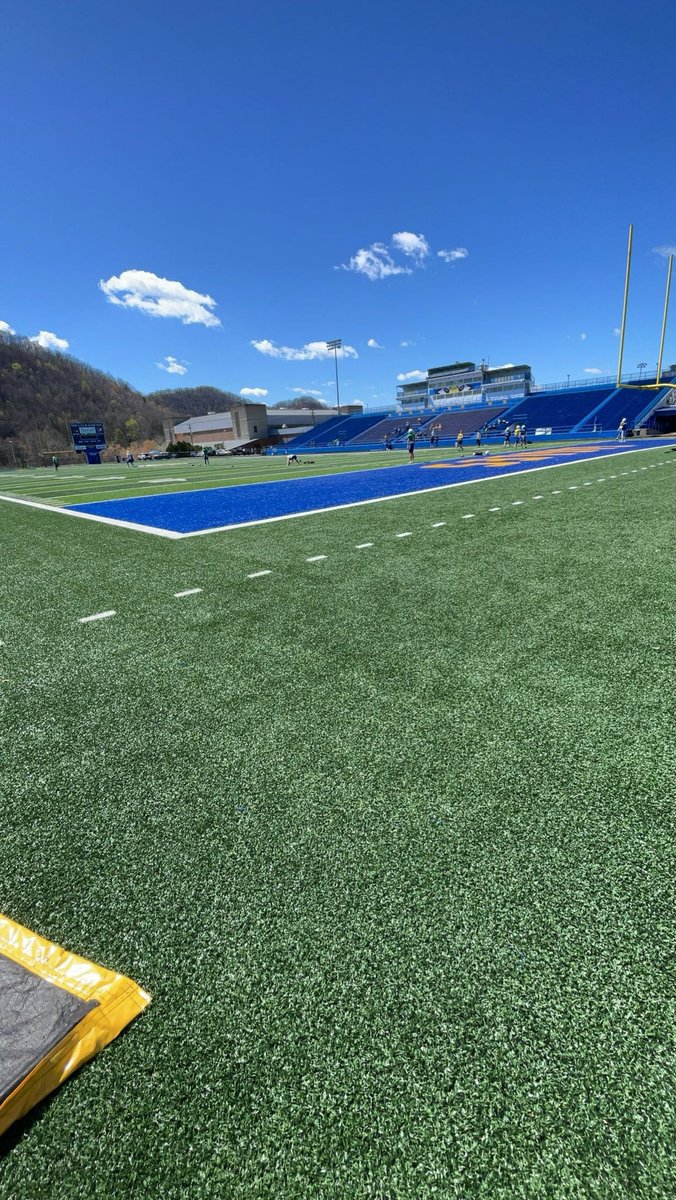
[[437, 524], [316, 558], [367, 545], [400, 535], [257, 574], [97, 616], [517, 502], [467, 516], [187, 592]]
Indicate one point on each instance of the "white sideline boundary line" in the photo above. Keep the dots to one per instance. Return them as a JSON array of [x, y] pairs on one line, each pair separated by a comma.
[[313, 512], [68, 512]]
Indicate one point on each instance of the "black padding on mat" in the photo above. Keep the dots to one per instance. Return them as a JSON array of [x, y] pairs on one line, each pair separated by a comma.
[[34, 1016]]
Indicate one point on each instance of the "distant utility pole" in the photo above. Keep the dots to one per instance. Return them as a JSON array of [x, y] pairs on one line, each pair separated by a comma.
[[336, 345]]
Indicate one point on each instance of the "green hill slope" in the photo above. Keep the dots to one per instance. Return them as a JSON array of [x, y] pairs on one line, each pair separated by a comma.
[[41, 391]]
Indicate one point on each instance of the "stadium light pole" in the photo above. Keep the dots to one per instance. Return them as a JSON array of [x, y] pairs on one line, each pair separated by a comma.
[[641, 367], [336, 345]]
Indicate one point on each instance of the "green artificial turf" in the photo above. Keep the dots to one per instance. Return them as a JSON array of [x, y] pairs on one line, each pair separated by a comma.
[[110, 481], [389, 837]]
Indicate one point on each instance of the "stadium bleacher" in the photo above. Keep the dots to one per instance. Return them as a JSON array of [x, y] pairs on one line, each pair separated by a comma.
[[393, 428], [622, 402], [320, 435], [556, 410], [573, 410], [469, 421]]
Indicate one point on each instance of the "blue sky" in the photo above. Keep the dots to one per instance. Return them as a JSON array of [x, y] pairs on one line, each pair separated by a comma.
[[225, 170]]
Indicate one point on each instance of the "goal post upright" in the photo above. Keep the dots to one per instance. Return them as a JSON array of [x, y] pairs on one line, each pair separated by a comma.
[[624, 306], [664, 320]]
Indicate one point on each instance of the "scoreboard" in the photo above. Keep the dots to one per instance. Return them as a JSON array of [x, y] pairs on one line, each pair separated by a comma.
[[87, 437]]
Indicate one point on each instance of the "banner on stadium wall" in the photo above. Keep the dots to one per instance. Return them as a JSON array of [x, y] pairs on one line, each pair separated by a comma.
[[56, 1011]]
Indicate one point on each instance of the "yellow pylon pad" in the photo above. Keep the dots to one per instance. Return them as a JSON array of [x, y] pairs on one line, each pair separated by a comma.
[[56, 1011]]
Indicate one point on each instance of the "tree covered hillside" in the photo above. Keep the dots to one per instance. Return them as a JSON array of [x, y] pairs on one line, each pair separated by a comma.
[[41, 391]]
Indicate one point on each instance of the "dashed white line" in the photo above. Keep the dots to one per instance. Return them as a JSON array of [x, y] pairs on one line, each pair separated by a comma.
[[496, 509], [437, 524], [364, 546], [187, 592], [556, 493], [97, 616], [538, 497], [589, 483], [466, 516], [316, 558], [602, 479], [517, 502], [400, 535], [573, 487], [612, 476], [257, 574]]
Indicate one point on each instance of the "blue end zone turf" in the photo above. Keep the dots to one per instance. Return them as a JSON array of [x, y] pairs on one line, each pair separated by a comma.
[[217, 508]]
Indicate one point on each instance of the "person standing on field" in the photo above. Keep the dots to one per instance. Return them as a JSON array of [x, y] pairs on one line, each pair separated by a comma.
[[55, 462], [205, 454], [459, 441], [410, 443]]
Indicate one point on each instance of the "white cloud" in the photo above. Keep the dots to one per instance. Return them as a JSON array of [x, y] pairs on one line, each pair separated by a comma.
[[453, 255], [408, 376], [594, 371], [172, 366], [258, 393], [413, 245], [6, 328], [304, 391], [664, 251], [501, 366], [49, 341], [374, 345], [311, 350], [376, 262], [407, 343], [159, 297], [617, 331], [583, 337]]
